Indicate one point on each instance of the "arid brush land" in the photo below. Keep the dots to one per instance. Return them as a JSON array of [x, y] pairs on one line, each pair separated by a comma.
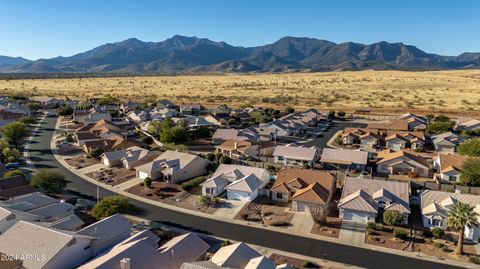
[[451, 91]]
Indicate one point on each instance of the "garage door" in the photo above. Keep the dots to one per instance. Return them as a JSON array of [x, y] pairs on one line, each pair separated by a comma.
[[235, 195], [355, 216], [301, 207]]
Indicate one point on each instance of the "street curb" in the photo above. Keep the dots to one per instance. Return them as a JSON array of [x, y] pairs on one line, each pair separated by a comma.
[[239, 222], [330, 142]]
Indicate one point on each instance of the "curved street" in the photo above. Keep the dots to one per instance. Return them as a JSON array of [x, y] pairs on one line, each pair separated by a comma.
[[41, 156]]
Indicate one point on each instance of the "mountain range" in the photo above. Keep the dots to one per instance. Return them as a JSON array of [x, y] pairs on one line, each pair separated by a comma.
[[181, 54]]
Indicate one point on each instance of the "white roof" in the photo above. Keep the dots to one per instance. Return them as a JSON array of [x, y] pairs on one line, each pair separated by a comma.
[[246, 184], [29, 238], [294, 152], [226, 169], [29, 201], [236, 255], [4, 213], [261, 263], [107, 228], [69, 223], [170, 159], [54, 211], [345, 156], [439, 201], [184, 248]]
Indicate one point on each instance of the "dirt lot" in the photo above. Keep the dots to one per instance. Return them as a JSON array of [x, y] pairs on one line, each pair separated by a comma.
[[113, 176], [392, 91], [385, 239], [266, 211], [173, 195], [331, 228], [81, 161]]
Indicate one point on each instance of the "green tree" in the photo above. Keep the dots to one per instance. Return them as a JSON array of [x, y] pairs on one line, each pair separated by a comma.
[[50, 180], [393, 217], [65, 111], [211, 156], [470, 147], [147, 140], [13, 173], [34, 107], [438, 232], [224, 159], [176, 135], [27, 120], [440, 127], [96, 152], [15, 132], [470, 174], [341, 114], [154, 128], [289, 110], [442, 118], [112, 205], [461, 215], [108, 100]]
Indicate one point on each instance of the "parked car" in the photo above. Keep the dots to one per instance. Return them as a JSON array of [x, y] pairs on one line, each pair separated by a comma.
[[12, 165]]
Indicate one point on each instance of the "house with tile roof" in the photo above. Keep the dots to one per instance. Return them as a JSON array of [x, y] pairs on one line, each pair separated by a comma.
[[363, 199], [435, 206], [448, 167], [238, 149], [345, 159], [467, 124], [14, 186], [291, 155], [129, 158], [241, 182], [173, 166], [41, 247], [307, 189], [403, 162], [446, 142]]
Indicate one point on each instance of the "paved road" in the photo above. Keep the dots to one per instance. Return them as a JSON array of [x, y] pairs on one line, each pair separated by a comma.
[[41, 156], [336, 126]]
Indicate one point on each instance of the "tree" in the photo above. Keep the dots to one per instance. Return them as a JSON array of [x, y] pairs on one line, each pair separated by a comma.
[[96, 152], [341, 114], [147, 182], [112, 205], [50, 180], [34, 107], [289, 110], [461, 215], [393, 217], [440, 127], [400, 234], [108, 100], [27, 120], [224, 159], [470, 147], [470, 174], [176, 135], [155, 128], [15, 132], [147, 140], [12, 173], [441, 118], [211, 156], [438, 232], [69, 138], [11, 154], [65, 111]]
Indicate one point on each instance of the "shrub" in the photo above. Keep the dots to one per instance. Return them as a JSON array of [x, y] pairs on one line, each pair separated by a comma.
[[49, 180], [427, 234], [208, 200], [147, 140], [341, 114], [308, 264], [189, 185], [437, 232], [400, 234], [378, 226], [211, 156], [474, 259], [393, 217], [225, 160], [27, 120], [69, 138], [279, 223], [148, 182], [371, 225], [225, 243], [13, 173]]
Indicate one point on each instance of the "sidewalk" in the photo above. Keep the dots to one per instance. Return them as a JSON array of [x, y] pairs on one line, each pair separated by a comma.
[[128, 184], [258, 226]]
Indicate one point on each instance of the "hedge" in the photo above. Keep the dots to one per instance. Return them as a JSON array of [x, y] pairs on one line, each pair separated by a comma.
[[188, 185]]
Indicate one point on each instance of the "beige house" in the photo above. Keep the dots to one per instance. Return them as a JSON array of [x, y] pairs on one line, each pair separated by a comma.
[[402, 163], [448, 167], [238, 149]]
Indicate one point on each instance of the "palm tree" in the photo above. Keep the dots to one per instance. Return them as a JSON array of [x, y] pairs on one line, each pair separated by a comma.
[[462, 215]]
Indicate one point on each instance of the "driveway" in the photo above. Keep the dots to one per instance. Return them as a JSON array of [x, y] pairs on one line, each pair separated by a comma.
[[302, 223], [337, 252], [352, 233], [322, 140]]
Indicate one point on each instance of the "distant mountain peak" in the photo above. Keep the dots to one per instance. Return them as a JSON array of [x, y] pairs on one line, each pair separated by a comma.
[[190, 53]]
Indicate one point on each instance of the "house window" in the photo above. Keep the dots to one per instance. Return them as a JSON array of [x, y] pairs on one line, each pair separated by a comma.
[[381, 203], [437, 223], [279, 195]]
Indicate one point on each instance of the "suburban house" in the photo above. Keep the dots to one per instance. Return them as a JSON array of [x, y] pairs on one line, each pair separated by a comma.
[[140, 251], [129, 158], [138, 116], [166, 104], [404, 122], [235, 256], [467, 124], [190, 110], [296, 155], [238, 149], [130, 106], [446, 142], [345, 158], [12, 111], [173, 166], [363, 199], [295, 123], [159, 114], [91, 116], [435, 206], [366, 139], [37, 207], [14, 186], [404, 162], [50, 248], [400, 140], [240, 182], [222, 135], [448, 167], [307, 189]]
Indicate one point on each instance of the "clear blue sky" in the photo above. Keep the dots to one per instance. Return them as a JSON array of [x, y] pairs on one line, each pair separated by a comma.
[[48, 28]]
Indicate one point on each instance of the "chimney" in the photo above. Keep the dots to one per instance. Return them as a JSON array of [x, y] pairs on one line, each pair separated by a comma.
[[125, 263]]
